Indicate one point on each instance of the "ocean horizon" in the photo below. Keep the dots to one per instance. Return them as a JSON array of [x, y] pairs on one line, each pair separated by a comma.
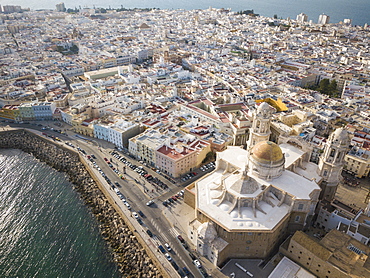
[[338, 10]]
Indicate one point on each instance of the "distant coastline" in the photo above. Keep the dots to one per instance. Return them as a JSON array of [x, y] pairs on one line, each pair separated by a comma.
[[338, 10]]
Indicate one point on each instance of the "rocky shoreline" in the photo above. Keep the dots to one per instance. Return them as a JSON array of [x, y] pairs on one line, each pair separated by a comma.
[[131, 257]]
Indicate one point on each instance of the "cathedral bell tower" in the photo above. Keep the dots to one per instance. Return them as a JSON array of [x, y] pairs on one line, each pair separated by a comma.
[[331, 163], [260, 130]]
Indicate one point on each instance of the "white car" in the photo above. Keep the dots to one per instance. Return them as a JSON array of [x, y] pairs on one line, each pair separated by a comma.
[[150, 202], [168, 247], [134, 214], [168, 257], [127, 205], [197, 263]]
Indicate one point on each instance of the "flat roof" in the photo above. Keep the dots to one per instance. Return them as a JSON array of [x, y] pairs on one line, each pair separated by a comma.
[[288, 269]]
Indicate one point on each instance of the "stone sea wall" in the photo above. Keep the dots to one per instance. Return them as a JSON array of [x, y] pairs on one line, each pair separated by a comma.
[[129, 253]]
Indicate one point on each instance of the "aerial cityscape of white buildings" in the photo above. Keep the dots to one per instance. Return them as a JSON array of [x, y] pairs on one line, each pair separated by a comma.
[[173, 87]]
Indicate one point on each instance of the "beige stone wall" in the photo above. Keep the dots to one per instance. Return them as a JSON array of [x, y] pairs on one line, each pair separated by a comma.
[[312, 262], [247, 243], [189, 196]]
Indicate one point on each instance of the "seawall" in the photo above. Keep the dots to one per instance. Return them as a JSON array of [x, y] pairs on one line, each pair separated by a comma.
[[130, 253]]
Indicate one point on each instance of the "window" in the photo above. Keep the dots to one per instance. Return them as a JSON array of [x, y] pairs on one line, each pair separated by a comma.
[[297, 218], [249, 241], [300, 206]]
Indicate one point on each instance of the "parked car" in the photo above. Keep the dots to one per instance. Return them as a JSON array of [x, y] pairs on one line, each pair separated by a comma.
[[140, 213], [186, 270], [149, 232], [168, 257], [180, 238], [168, 247], [192, 256], [197, 263], [160, 247]]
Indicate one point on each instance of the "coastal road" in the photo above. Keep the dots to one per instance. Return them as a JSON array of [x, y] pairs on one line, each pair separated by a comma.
[[164, 231]]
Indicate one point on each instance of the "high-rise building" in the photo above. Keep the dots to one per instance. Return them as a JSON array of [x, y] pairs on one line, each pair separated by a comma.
[[347, 21], [60, 7], [323, 19], [302, 18], [11, 9]]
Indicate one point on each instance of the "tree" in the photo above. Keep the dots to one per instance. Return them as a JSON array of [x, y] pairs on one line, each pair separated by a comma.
[[324, 86], [333, 88]]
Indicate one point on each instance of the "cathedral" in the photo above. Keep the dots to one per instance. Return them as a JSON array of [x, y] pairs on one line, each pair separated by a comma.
[[256, 198]]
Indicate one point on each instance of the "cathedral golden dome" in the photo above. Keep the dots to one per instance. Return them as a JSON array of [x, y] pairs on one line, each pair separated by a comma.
[[267, 152]]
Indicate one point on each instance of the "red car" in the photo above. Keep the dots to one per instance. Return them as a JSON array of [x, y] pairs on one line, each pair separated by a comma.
[[180, 238], [106, 159]]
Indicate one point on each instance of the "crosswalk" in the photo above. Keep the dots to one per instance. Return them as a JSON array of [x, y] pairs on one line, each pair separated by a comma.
[[174, 232]]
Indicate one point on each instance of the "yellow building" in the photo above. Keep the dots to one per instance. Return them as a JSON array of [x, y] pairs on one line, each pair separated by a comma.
[[278, 104], [10, 112]]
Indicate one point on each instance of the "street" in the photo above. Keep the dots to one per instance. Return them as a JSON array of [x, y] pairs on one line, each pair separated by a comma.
[[137, 194]]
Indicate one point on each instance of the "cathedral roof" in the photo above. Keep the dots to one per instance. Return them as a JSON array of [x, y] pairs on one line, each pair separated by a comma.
[[267, 152]]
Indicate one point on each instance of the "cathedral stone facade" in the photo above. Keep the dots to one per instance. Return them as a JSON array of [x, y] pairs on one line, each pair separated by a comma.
[[256, 197]]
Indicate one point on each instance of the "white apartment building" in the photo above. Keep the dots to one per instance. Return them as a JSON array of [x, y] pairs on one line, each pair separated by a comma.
[[117, 133], [323, 19], [302, 18], [43, 110], [101, 131]]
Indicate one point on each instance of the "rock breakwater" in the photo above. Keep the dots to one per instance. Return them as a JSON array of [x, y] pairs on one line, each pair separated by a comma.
[[130, 256]]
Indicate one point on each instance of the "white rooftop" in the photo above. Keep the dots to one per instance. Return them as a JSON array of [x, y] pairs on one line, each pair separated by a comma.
[[292, 154], [289, 269]]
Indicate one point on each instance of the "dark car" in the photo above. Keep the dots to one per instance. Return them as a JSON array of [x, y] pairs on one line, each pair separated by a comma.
[[192, 256], [179, 237], [149, 233], [186, 270], [141, 213], [161, 248], [175, 266], [185, 245]]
